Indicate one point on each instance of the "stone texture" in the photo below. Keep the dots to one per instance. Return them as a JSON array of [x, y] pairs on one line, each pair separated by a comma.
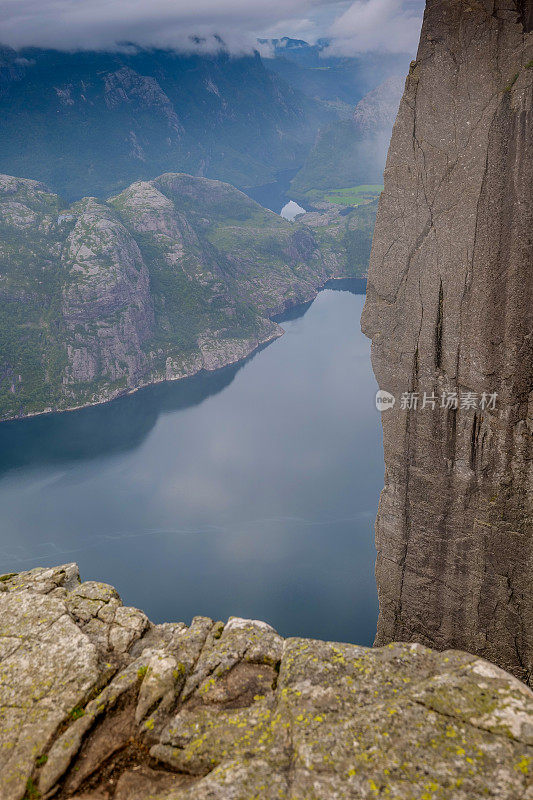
[[125, 87], [216, 711], [106, 303], [449, 308]]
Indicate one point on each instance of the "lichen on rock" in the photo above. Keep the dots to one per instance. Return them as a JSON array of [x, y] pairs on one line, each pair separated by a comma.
[[98, 703]]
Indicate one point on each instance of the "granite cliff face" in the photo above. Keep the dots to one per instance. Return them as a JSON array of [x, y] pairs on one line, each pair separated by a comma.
[[169, 277], [449, 309], [98, 703]]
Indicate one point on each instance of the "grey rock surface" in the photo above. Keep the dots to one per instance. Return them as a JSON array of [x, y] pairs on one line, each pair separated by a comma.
[[97, 703], [449, 309]]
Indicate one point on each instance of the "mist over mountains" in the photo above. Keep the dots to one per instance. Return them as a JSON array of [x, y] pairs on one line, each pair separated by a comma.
[[319, 71], [360, 26], [90, 123], [352, 151], [91, 300]]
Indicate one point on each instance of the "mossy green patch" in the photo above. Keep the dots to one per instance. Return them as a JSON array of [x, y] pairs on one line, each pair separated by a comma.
[[32, 792]]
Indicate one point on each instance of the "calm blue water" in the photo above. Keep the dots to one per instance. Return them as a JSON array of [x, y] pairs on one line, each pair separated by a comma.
[[251, 491]]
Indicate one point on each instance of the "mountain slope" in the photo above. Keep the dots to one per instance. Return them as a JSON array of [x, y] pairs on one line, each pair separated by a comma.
[[169, 277], [91, 123], [352, 152]]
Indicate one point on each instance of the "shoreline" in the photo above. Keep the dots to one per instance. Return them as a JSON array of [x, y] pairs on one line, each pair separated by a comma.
[[158, 381]]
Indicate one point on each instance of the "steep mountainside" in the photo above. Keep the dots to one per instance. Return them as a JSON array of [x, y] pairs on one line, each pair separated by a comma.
[[449, 309], [353, 151], [340, 80], [348, 227], [98, 703], [155, 111], [167, 278]]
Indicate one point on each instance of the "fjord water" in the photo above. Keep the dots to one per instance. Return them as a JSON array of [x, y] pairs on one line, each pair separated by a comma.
[[251, 491]]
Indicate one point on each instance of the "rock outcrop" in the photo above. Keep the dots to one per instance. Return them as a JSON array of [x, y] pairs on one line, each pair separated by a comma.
[[167, 278], [449, 310], [376, 112], [97, 703]]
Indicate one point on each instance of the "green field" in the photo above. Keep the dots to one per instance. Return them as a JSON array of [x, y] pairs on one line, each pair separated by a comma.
[[351, 196], [354, 195]]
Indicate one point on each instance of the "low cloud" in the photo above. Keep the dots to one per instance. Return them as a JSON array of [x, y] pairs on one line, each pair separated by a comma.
[[382, 25], [202, 24], [101, 24]]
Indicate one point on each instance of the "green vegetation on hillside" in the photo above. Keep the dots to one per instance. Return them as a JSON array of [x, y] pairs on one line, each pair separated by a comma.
[[352, 152], [91, 123], [351, 229], [346, 196], [355, 195], [342, 158], [166, 278], [334, 161]]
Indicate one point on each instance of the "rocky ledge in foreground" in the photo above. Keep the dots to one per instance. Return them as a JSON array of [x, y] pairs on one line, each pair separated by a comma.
[[97, 702]]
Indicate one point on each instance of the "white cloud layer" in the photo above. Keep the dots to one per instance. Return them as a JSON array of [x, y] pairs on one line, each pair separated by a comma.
[[101, 24], [382, 25]]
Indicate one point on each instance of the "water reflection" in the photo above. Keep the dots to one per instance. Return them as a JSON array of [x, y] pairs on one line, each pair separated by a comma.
[[251, 491], [273, 195], [124, 423], [107, 429]]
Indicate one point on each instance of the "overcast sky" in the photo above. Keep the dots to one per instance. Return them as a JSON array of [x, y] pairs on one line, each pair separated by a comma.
[[385, 25]]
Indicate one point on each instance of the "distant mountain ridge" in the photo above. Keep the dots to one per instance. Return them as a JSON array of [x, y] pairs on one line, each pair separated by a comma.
[[93, 122], [318, 72]]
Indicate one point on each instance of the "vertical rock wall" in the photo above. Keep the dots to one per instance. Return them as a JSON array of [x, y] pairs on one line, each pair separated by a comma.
[[449, 309]]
